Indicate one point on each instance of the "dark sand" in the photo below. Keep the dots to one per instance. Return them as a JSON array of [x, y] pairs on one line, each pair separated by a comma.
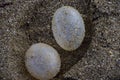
[[26, 22]]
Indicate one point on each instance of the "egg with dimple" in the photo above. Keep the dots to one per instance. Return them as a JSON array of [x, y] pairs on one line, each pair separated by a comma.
[[42, 61], [68, 28]]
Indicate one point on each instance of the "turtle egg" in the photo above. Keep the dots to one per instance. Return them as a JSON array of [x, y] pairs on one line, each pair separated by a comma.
[[42, 61], [68, 28]]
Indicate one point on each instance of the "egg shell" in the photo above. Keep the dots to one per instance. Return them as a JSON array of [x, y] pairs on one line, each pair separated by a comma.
[[42, 61], [68, 28]]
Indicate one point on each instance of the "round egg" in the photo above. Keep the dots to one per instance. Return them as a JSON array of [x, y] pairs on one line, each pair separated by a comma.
[[68, 28], [42, 61]]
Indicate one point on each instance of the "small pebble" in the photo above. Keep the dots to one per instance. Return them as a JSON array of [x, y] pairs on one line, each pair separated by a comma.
[[42, 61], [68, 28]]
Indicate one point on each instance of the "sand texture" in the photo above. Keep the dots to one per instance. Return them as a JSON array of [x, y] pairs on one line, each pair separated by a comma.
[[26, 22]]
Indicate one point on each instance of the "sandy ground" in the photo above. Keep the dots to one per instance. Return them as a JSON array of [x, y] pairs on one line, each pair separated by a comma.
[[25, 22]]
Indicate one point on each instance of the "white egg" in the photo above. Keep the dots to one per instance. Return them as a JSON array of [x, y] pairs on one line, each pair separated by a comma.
[[68, 28], [42, 61]]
